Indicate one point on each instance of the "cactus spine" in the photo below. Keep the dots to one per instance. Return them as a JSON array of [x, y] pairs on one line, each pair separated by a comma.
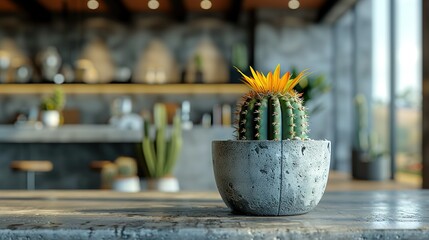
[[162, 152], [272, 110]]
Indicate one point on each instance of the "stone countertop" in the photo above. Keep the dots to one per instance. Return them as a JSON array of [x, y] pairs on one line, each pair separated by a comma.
[[67, 133], [83, 134], [150, 215]]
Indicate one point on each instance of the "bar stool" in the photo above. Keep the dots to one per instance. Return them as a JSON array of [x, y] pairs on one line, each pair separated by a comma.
[[31, 167], [97, 166]]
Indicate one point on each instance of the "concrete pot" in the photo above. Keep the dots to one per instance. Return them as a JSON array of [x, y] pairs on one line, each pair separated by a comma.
[[271, 177]]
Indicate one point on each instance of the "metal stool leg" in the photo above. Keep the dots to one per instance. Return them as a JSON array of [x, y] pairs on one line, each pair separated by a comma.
[[31, 180]]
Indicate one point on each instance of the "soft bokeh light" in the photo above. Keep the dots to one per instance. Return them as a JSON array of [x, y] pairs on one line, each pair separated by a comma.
[[92, 4], [293, 4], [206, 4], [153, 4]]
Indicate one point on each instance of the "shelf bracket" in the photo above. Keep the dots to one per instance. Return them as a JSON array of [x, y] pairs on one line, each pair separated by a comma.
[[331, 10]]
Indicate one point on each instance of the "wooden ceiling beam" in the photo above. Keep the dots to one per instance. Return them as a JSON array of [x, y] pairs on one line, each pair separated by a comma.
[[178, 10], [326, 9], [118, 9], [34, 10], [234, 11], [333, 9]]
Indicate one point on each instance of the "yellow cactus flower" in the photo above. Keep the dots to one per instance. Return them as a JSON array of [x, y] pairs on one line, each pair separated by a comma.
[[272, 83]]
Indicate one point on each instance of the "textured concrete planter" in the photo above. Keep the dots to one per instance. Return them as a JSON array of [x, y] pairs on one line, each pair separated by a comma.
[[271, 177]]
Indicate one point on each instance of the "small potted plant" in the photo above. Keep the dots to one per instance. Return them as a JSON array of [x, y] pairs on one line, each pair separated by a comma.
[[51, 107], [160, 151], [369, 158], [273, 168], [126, 179]]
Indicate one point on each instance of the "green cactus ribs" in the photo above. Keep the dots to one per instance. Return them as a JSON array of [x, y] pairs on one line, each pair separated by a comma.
[[272, 116]]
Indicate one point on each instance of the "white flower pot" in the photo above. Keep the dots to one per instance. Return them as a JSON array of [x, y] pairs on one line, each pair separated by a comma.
[[51, 118], [165, 184], [131, 184]]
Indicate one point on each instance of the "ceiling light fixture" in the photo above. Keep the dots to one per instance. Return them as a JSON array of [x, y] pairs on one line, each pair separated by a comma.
[[92, 4], [153, 4], [206, 4], [293, 4]]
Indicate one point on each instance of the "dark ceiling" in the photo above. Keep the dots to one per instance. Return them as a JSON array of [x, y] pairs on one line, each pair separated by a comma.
[[42, 10]]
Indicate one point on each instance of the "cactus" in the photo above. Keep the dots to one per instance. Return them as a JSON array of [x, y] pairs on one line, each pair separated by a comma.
[[161, 153], [126, 167], [108, 175], [272, 110], [123, 167]]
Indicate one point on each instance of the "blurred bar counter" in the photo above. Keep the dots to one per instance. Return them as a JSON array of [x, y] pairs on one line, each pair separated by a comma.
[[72, 148], [92, 134], [68, 134]]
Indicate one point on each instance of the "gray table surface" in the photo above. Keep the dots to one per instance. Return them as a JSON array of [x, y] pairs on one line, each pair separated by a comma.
[[150, 215]]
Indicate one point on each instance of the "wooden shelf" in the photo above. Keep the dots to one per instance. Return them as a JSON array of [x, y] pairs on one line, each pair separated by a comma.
[[125, 88]]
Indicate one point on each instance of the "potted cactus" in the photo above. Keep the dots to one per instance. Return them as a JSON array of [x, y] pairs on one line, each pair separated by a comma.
[[369, 160], [160, 151], [108, 172], [51, 107], [126, 179], [273, 168]]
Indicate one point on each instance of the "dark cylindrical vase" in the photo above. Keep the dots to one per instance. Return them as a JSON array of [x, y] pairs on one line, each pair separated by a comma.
[[365, 167]]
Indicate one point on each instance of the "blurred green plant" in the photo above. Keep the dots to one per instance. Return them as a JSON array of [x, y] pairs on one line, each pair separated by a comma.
[[367, 141], [160, 153], [311, 87], [56, 101], [239, 57], [198, 62]]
